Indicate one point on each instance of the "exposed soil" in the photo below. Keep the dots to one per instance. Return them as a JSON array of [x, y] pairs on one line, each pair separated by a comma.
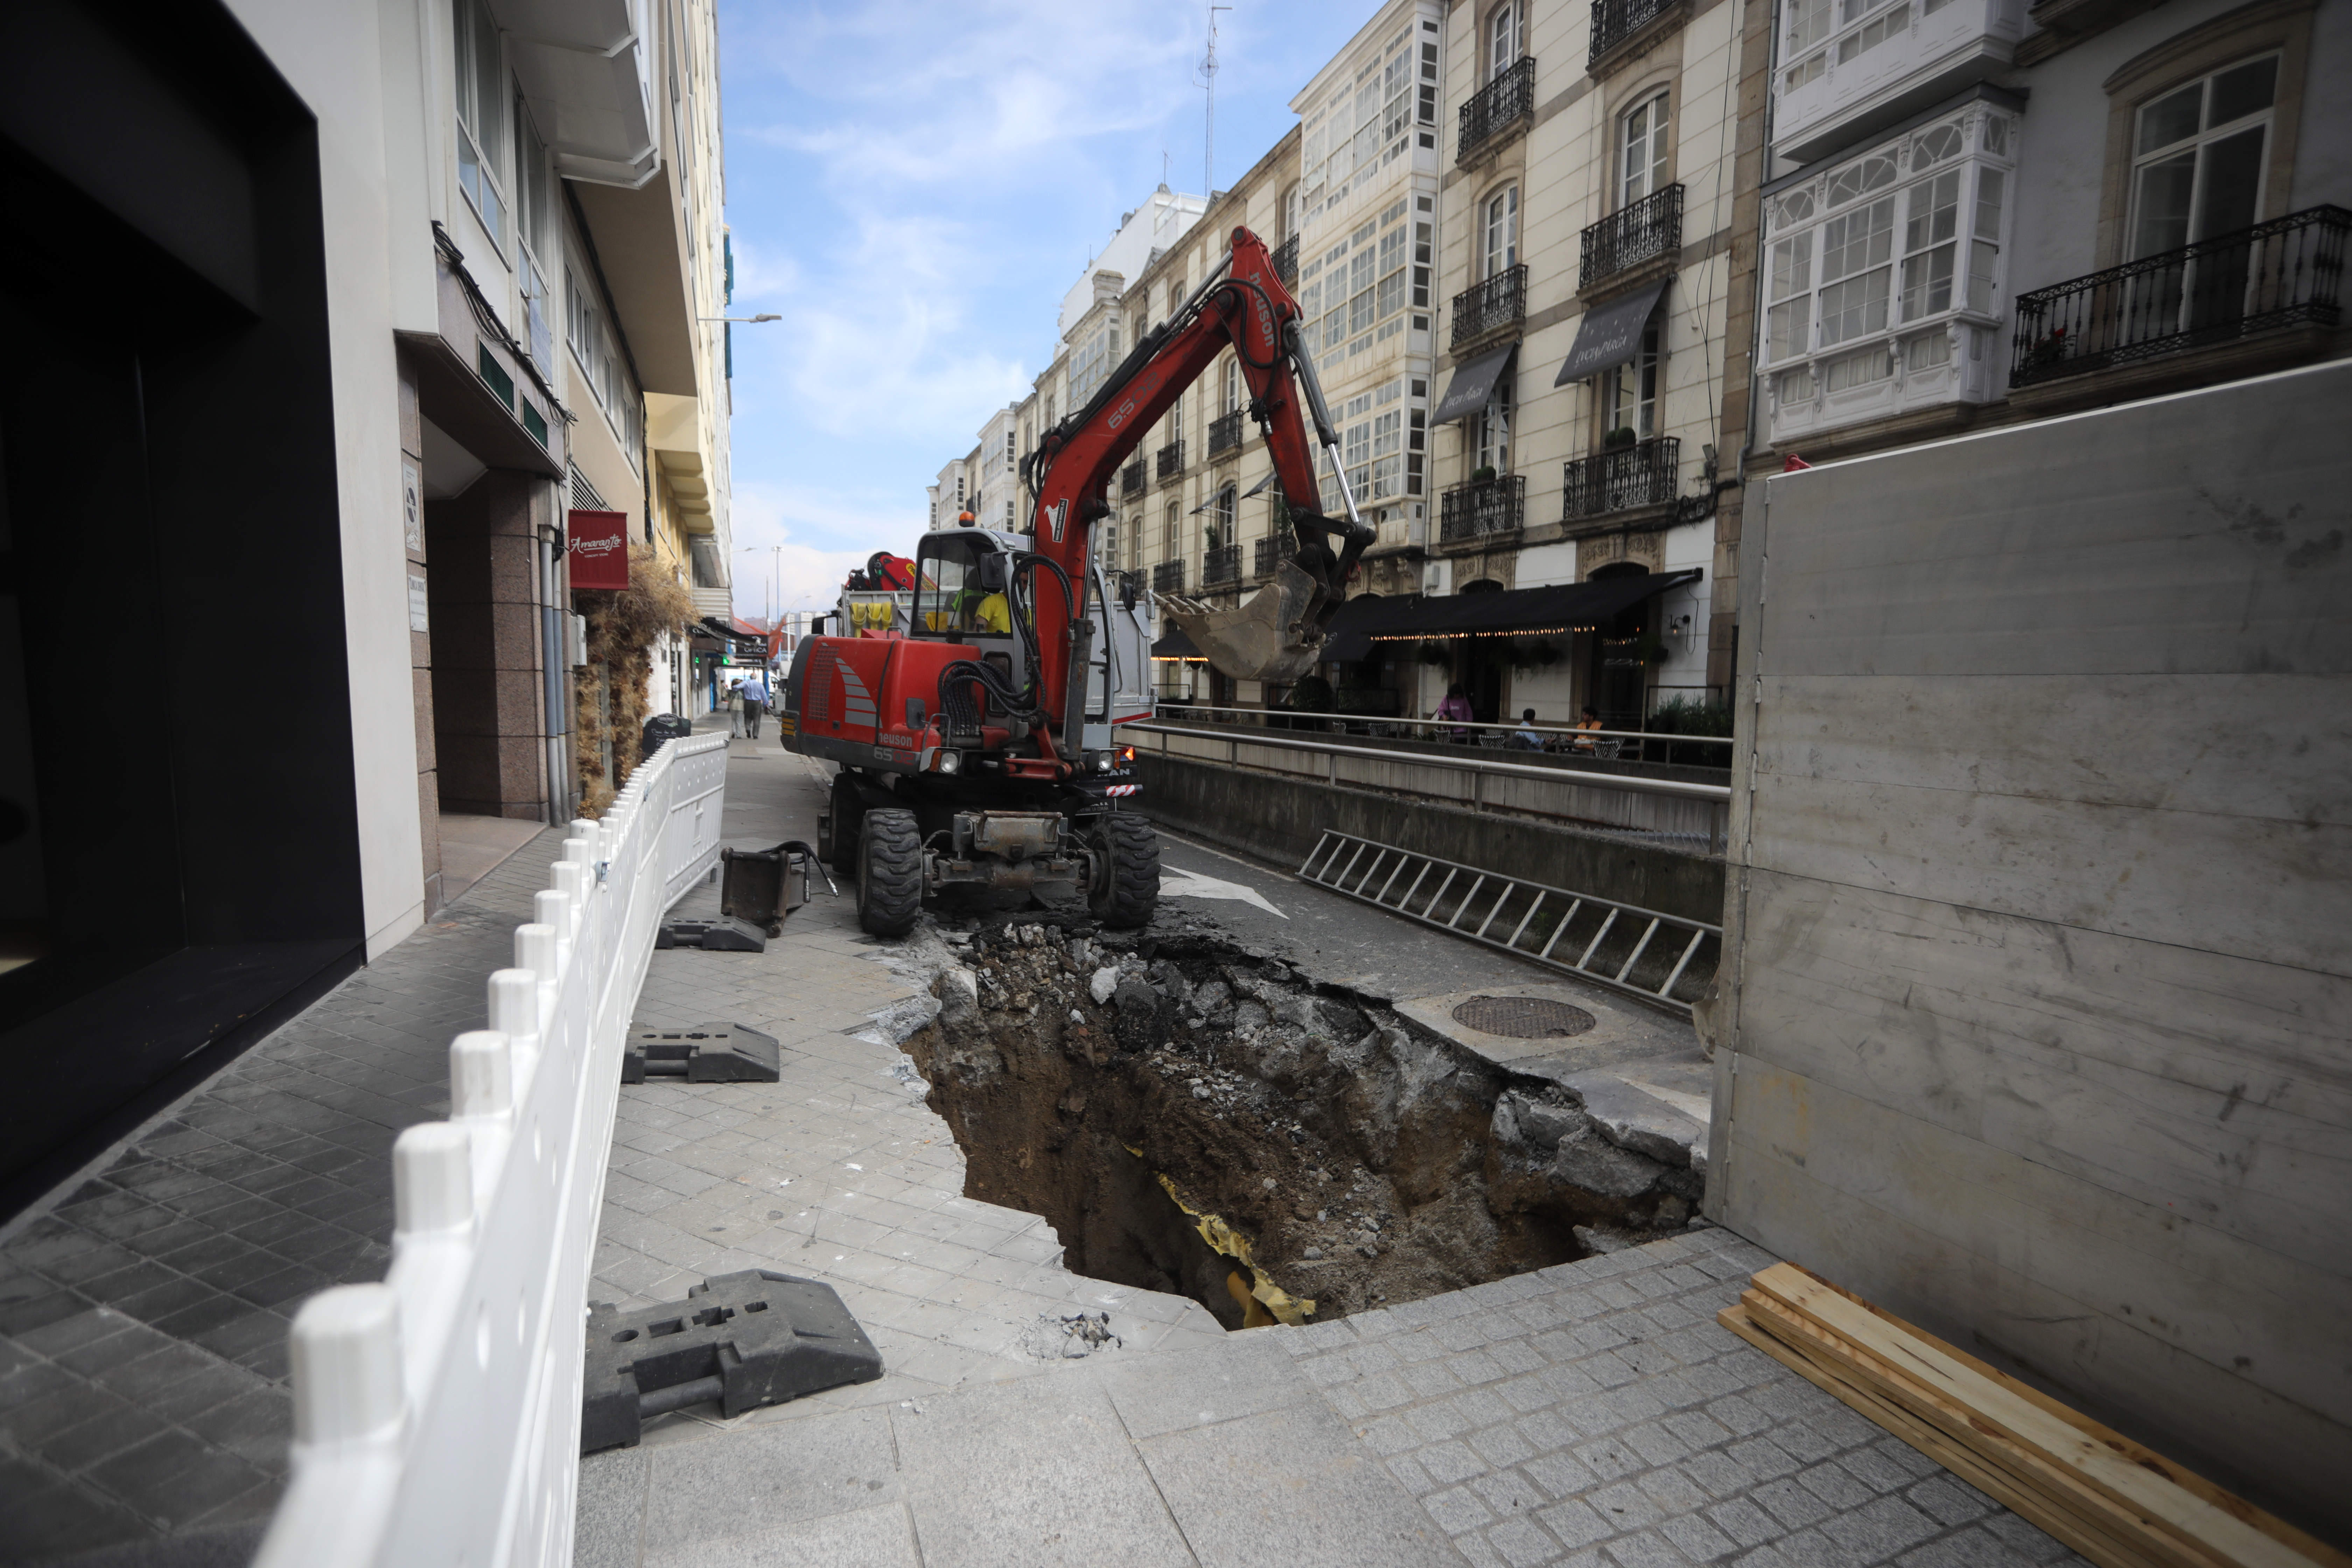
[[1352, 1158]]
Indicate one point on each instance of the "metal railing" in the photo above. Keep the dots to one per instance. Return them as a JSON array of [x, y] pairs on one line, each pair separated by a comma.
[[1495, 107], [1266, 554], [1167, 577], [1643, 474], [436, 1416], [2275, 274], [1132, 479], [1627, 237], [1499, 301], [1226, 434], [1614, 21], [1220, 565], [1559, 738], [1285, 262], [1553, 926], [1171, 460], [1470, 510], [1686, 809]]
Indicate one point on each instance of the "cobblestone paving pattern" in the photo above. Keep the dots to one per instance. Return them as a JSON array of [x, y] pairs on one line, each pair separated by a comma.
[[144, 1386], [1596, 1412]]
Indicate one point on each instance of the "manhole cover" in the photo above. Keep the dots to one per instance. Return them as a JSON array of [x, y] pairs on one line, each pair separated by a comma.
[[1523, 1017]]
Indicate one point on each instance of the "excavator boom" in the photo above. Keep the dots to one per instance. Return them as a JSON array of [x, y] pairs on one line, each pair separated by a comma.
[[1277, 635]]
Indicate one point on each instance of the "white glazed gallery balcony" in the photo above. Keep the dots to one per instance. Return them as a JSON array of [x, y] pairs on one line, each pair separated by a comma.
[[1885, 284], [1853, 66]]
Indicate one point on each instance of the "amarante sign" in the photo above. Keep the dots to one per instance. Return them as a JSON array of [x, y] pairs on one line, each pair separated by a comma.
[[599, 549]]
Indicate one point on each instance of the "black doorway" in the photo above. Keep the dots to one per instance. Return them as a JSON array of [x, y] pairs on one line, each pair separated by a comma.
[[179, 854]]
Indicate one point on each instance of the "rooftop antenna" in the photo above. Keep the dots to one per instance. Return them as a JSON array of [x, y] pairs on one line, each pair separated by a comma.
[[1209, 81]]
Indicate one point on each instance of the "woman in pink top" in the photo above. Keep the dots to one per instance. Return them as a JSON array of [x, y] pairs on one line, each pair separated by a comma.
[[1455, 706]]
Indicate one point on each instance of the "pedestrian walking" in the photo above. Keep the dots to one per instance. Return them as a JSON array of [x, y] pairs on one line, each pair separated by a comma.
[[755, 704], [734, 708]]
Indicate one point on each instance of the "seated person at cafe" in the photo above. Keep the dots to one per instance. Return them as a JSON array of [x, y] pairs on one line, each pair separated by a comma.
[[1590, 719], [1526, 738]]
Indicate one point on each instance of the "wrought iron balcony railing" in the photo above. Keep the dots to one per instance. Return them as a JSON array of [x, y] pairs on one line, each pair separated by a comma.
[[1614, 21], [1226, 434], [1642, 474], [1131, 478], [1171, 460], [1473, 510], [1266, 554], [1167, 577], [1627, 237], [1500, 301], [1501, 105], [1285, 262], [2283, 273], [1223, 565]]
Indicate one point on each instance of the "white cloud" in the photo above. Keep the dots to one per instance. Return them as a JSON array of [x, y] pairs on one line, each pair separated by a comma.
[[806, 541], [913, 185]]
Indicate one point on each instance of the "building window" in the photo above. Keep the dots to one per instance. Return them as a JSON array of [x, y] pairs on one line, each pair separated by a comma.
[[1495, 430], [534, 235], [1168, 535], [1631, 393], [2199, 155], [1641, 157], [482, 106], [1365, 126], [1506, 38], [1884, 244], [1232, 386], [1502, 228], [1221, 517]]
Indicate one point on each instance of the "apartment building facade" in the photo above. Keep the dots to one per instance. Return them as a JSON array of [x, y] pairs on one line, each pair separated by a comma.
[[436, 261], [1979, 212], [1593, 242]]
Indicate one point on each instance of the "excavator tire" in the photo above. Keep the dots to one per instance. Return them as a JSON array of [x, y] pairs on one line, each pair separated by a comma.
[[889, 871], [1125, 894], [839, 829]]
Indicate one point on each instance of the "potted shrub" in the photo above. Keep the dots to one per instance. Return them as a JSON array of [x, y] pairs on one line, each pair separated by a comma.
[[1483, 475], [1617, 440]]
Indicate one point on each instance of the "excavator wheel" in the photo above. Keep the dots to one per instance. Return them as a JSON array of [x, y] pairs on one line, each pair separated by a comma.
[[1126, 882], [837, 833], [889, 871]]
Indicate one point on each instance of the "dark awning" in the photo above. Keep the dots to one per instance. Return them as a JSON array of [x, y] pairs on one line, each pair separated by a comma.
[[1363, 622], [1474, 384], [1610, 334], [1176, 645]]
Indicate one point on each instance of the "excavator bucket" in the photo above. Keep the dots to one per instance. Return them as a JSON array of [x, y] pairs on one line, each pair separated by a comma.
[[1261, 638]]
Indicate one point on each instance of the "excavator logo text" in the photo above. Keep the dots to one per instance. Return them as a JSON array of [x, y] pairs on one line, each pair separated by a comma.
[[1119, 416]]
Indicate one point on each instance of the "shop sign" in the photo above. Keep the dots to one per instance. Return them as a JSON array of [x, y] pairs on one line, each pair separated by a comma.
[[598, 547]]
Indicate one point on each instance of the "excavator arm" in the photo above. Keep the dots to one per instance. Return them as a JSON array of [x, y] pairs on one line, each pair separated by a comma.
[[1277, 636]]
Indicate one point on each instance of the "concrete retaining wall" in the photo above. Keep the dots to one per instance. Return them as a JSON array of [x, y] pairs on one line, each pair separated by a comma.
[[2039, 983], [1280, 818]]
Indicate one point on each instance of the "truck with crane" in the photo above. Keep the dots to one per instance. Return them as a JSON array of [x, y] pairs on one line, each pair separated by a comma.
[[975, 723]]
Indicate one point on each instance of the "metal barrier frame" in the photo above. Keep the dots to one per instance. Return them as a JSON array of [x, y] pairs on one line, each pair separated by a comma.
[[1389, 857], [436, 1416]]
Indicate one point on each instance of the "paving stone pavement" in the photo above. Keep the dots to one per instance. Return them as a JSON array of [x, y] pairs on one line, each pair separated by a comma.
[[1590, 1414], [143, 1392]]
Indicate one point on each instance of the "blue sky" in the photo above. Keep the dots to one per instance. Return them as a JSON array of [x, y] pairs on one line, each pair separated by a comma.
[[912, 186]]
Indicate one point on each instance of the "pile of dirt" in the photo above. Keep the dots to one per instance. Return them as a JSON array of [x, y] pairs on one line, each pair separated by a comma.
[[1195, 1116]]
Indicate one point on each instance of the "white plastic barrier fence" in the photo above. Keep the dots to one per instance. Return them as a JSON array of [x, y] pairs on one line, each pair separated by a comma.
[[436, 1416]]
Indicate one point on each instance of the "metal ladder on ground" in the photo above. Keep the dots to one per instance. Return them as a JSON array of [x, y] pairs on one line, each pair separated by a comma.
[[1609, 940]]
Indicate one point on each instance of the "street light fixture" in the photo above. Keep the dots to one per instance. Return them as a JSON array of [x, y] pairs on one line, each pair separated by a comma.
[[766, 318]]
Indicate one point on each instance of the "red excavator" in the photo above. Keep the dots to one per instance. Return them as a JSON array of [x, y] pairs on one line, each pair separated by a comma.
[[975, 724]]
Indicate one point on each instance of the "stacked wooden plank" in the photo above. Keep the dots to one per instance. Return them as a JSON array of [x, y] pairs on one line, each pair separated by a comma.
[[2109, 1499]]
